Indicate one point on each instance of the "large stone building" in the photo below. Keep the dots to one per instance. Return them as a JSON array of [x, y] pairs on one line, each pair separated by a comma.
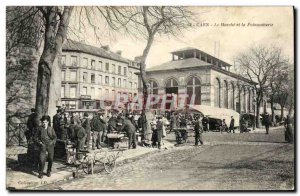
[[192, 71], [93, 74]]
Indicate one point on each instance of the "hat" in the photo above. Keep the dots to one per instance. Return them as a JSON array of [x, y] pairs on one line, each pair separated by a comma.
[[85, 114], [32, 109], [45, 117]]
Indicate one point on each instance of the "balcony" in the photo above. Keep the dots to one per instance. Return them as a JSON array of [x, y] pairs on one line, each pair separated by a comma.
[[85, 96]]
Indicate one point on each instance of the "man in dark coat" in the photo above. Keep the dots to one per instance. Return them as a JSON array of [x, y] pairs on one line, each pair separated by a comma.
[[86, 124], [159, 133], [98, 128], [267, 122], [130, 129], [32, 125], [143, 125], [45, 137], [288, 124], [231, 126], [198, 128], [205, 122], [56, 121], [80, 135]]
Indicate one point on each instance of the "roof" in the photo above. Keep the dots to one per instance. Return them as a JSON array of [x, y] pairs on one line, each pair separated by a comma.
[[72, 45], [179, 64], [184, 49]]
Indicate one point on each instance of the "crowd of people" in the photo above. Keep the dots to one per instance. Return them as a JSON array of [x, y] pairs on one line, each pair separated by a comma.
[[91, 131]]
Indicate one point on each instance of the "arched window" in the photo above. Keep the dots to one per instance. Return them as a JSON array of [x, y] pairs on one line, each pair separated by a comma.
[[225, 94], [245, 99], [250, 99], [217, 93], [171, 83], [232, 100], [153, 87], [171, 88], [193, 87]]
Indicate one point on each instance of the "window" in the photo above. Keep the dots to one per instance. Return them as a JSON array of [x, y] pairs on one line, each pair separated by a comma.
[[217, 93], [135, 85], [93, 78], [194, 88], [84, 90], [93, 64], [113, 68], [62, 92], [84, 77], [92, 93], [119, 82], [100, 79], [72, 105], [63, 76], [74, 61], [130, 84], [130, 74], [124, 83], [84, 62], [107, 67], [153, 87], [106, 80], [73, 92], [125, 71], [63, 60], [119, 70], [113, 83], [99, 93], [73, 75], [100, 66]]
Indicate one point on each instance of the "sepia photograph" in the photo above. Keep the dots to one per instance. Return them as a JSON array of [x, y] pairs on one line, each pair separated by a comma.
[[150, 98]]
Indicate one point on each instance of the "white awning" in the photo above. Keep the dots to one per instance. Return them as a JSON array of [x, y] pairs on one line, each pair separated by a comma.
[[213, 112]]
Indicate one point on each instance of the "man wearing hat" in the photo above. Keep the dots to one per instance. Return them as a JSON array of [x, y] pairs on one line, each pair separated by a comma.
[[56, 119], [130, 129], [86, 124], [159, 128], [98, 127], [45, 138]]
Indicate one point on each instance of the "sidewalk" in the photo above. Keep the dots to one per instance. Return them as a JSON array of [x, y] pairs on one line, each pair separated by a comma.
[[18, 177]]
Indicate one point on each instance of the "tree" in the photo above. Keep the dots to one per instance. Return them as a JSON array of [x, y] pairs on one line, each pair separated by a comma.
[[51, 30], [261, 64], [148, 22]]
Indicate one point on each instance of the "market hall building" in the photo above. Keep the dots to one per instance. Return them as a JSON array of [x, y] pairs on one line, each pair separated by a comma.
[[192, 71]]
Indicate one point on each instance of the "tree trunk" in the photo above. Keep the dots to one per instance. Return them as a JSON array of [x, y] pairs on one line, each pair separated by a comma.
[[272, 110], [281, 112], [55, 34], [143, 71], [257, 114]]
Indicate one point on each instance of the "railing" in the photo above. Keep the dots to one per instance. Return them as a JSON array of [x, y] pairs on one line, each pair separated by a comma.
[[15, 134]]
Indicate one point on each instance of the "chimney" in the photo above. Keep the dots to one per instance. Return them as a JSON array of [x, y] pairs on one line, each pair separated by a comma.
[[105, 47], [119, 52]]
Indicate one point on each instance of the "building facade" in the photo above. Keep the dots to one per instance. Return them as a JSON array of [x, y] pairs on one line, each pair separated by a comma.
[[194, 72], [91, 74]]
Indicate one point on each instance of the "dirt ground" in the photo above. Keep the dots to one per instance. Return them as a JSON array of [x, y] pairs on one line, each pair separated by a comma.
[[245, 165]]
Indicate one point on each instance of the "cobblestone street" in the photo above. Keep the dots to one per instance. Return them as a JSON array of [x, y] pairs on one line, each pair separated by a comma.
[[251, 161]]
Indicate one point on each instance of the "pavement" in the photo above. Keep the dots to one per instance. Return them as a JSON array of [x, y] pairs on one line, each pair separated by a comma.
[[20, 177]]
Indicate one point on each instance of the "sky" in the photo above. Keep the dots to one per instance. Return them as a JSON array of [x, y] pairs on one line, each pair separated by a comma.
[[232, 39]]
